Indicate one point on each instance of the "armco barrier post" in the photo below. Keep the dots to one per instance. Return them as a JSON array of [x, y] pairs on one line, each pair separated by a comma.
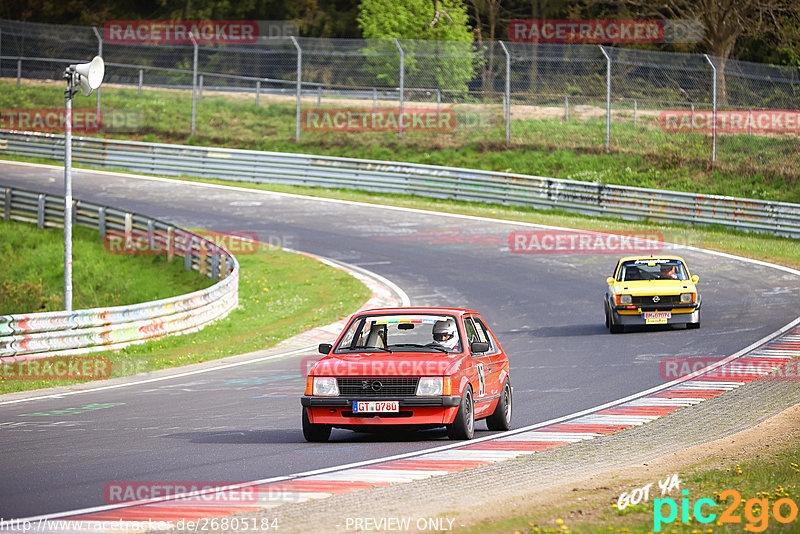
[[402, 86], [299, 87], [101, 222], [7, 207], [507, 107]]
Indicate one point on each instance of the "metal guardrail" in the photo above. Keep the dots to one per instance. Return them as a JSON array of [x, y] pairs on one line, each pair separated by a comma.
[[40, 335], [588, 198]]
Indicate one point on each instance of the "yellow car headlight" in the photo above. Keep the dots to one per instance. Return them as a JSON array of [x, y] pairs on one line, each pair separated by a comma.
[[687, 297], [625, 299]]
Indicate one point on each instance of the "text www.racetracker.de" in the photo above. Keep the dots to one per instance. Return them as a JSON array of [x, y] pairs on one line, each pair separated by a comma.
[[197, 525]]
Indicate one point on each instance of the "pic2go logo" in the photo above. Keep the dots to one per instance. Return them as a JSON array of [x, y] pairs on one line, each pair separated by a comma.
[[756, 511]]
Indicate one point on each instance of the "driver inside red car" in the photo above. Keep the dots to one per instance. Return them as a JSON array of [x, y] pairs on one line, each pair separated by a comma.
[[444, 334]]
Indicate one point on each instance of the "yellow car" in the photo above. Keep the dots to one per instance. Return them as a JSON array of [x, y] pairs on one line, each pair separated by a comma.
[[650, 290]]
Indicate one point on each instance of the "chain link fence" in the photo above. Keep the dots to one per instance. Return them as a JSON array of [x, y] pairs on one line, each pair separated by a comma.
[[574, 96]]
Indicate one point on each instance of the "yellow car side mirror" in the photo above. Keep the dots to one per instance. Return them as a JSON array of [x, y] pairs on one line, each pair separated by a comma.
[[610, 280], [695, 278]]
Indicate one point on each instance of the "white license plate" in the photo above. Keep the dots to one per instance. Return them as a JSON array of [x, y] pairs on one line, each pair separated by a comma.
[[656, 317], [376, 406]]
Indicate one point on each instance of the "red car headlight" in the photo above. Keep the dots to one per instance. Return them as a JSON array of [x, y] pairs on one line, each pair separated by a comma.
[[325, 387], [428, 386]]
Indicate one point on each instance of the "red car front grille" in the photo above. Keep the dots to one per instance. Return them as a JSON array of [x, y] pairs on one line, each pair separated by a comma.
[[377, 386]]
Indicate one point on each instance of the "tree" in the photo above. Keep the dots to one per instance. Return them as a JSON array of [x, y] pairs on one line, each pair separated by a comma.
[[725, 21], [437, 41], [487, 17]]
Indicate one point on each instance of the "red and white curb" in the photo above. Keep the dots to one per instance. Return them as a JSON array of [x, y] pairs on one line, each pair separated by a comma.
[[751, 364]]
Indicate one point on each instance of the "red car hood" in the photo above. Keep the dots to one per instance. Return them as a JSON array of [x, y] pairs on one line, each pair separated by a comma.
[[387, 364]]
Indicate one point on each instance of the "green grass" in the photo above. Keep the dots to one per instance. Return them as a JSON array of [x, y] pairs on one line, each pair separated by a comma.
[[772, 475], [280, 295], [32, 278], [766, 167]]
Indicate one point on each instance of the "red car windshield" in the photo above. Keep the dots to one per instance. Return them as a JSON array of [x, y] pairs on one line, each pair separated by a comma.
[[401, 333]]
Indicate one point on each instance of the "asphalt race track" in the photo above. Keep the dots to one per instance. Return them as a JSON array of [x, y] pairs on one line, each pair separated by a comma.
[[244, 423]]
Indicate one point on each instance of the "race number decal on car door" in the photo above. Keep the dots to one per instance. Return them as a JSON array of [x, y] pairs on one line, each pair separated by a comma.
[[481, 381]]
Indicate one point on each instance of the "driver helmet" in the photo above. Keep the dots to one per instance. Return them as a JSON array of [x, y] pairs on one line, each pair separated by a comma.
[[444, 333]]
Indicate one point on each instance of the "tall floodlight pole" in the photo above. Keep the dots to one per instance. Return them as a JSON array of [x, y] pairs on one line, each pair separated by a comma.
[[87, 77], [100, 54], [68, 190]]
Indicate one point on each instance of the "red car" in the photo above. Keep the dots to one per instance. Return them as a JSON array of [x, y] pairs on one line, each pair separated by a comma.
[[410, 367]]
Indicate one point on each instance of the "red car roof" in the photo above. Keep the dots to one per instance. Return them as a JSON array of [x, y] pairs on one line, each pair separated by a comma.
[[421, 310]]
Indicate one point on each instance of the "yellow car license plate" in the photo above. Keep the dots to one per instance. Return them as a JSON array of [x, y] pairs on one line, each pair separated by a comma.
[[656, 317]]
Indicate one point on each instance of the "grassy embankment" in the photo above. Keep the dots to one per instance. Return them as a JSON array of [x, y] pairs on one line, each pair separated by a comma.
[[750, 166], [280, 295]]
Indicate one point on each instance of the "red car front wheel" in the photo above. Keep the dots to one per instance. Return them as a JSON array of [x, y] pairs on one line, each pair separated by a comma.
[[314, 432], [463, 426]]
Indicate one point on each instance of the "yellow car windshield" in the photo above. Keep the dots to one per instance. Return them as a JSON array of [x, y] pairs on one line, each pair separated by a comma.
[[652, 269]]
